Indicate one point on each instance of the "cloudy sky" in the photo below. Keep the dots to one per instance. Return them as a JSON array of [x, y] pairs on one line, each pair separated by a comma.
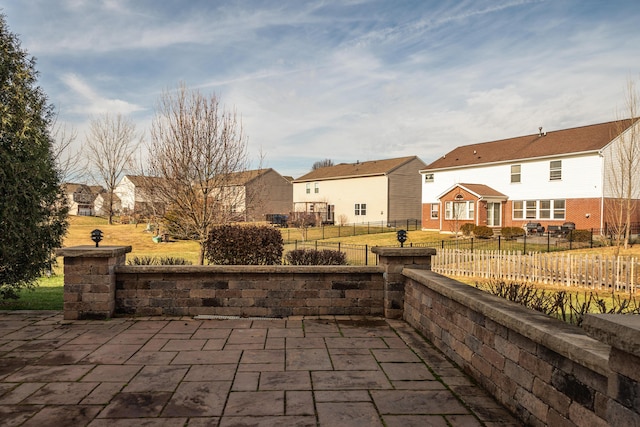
[[346, 80]]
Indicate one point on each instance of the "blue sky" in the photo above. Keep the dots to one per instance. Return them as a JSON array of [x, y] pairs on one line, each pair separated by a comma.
[[348, 80]]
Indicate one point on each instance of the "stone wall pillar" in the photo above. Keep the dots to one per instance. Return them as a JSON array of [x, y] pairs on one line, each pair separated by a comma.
[[90, 281], [394, 260], [622, 333]]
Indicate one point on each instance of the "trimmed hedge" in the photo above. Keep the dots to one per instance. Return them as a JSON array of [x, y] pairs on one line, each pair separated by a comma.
[[315, 257], [244, 245], [579, 236], [482, 232], [511, 232], [467, 228]]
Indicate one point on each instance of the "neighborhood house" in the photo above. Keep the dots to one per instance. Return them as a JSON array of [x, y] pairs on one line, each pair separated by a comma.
[[351, 193], [547, 178]]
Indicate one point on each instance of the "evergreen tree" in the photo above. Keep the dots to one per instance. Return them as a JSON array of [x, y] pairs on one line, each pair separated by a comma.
[[33, 208]]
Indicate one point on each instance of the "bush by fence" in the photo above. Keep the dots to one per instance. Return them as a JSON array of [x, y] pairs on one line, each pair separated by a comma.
[[315, 257], [244, 245], [153, 260]]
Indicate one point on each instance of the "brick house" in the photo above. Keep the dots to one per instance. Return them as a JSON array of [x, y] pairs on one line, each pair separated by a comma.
[[374, 191], [547, 177]]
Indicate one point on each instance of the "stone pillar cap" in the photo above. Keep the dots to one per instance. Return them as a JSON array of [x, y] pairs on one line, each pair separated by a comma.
[[392, 251], [88, 251]]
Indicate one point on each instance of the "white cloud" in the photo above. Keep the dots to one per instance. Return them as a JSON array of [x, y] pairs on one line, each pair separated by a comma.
[[91, 103]]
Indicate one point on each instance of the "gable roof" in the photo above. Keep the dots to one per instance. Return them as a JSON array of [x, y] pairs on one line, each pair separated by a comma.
[[575, 140], [244, 177], [481, 191], [356, 170]]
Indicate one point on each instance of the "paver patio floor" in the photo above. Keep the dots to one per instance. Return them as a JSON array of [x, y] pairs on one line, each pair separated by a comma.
[[303, 371]]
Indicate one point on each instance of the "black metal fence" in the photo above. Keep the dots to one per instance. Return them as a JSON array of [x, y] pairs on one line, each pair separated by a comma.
[[291, 235], [362, 255], [356, 254]]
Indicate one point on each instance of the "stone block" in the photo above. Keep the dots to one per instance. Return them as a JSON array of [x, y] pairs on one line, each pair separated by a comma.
[[555, 399]]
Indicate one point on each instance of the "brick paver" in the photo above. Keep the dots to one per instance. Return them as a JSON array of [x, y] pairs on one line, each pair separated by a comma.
[[303, 371]]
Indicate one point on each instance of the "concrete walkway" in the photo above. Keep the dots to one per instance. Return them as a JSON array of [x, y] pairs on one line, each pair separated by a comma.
[[330, 371]]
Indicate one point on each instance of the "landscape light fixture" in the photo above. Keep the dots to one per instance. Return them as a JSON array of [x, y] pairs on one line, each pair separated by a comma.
[[96, 236], [402, 237]]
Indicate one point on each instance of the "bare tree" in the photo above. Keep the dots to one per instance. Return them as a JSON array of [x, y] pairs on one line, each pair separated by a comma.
[[197, 147], [68, 161], [623, 171], [111, 145], [322, 164]]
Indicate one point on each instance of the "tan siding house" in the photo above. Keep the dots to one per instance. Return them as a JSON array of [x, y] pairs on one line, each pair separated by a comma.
[[363, 192], [259, 192]]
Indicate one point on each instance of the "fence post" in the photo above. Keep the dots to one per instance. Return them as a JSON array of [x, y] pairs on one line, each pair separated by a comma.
[[524, 245], [548, 241], [499, 242], [366, 254]]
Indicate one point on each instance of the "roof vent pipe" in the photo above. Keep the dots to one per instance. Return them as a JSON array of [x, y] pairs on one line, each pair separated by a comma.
[[540, 131]]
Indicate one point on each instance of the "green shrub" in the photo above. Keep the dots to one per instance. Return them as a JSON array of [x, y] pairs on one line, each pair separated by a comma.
[[244, 245], [169, 260], [511, 232], [467, 228], [482, 232], [315, 257], [149, 260], [579, 236], [142, 260]]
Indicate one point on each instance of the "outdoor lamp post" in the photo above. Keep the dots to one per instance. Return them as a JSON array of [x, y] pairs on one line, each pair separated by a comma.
[[402, 237], [96, 236]]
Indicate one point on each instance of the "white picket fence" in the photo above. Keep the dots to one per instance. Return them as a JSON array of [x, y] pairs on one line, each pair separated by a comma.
[[596, 272]]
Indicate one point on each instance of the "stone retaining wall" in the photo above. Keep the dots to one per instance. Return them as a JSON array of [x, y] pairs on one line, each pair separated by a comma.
[[267, 291], [547, 372]]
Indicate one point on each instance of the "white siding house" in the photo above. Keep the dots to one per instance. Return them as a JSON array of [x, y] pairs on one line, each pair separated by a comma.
[[362, 192], [551, 178]]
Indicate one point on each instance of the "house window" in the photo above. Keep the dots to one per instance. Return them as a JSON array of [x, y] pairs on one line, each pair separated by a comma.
[[308, 188], [316, 188], [545, 209], [518, 209], [539, 209], [515, 173], [428, 177], [531, 209], [361, 209], [559, 209], [434, 210], [459, 210], [555, 170]]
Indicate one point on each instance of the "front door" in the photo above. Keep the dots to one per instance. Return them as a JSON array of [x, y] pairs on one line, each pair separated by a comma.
[[493, 214]]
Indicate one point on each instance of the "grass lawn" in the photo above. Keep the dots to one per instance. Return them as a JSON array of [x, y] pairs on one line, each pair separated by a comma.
[[47, 296]]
